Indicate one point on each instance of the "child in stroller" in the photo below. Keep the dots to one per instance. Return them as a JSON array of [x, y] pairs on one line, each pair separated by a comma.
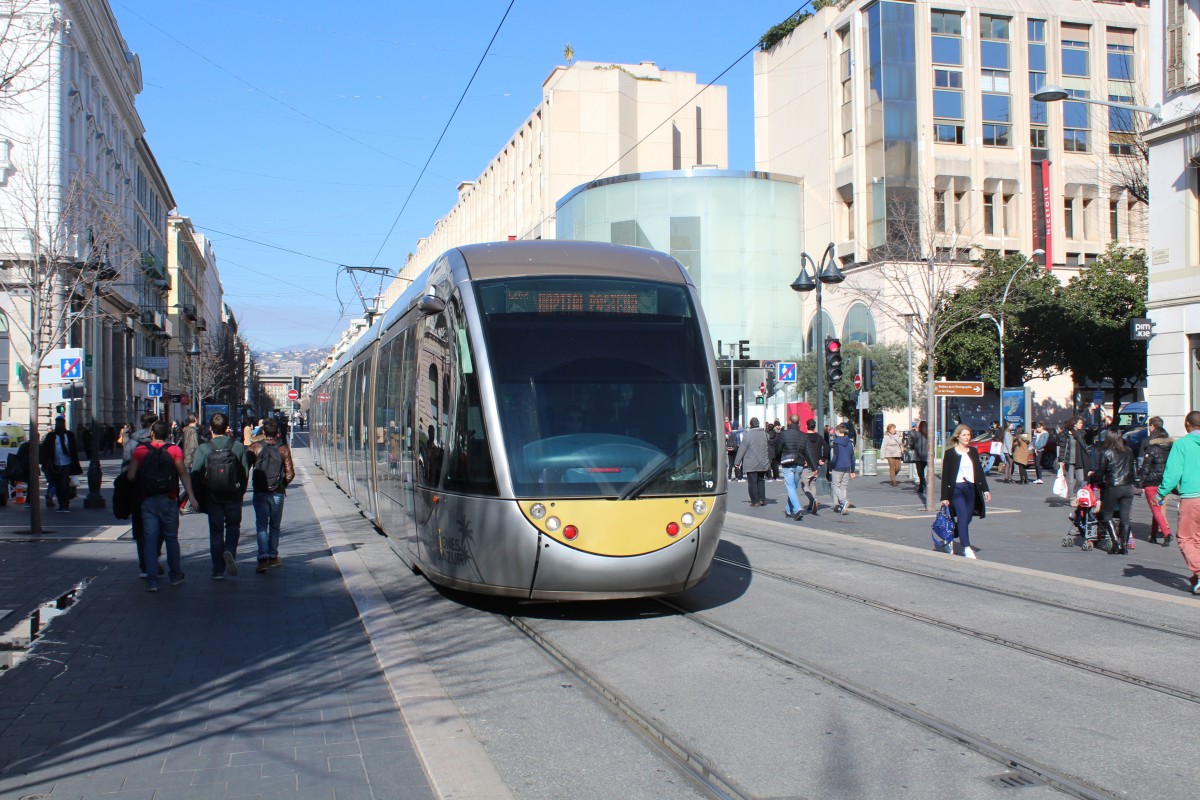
[[1087, 529]]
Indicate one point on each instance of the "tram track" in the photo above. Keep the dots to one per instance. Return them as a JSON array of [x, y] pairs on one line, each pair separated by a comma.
[[1041, 601], [703, 774], [709, 776], [1057, 658], [1012, 760]]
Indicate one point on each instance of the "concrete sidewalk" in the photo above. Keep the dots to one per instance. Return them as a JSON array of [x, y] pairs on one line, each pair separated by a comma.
[[255, 686]]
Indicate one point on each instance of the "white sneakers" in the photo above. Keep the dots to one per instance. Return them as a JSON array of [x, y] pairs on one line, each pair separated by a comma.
[[968, 552]]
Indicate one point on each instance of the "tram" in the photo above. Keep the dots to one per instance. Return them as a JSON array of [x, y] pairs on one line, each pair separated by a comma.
[[537, 420]]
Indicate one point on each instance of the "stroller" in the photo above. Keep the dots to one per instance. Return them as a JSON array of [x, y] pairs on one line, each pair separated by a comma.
[[1088, 532]]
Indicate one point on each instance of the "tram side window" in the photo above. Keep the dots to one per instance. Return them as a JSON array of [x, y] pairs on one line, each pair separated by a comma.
[[387, 432], [470, 461], [433, 356]]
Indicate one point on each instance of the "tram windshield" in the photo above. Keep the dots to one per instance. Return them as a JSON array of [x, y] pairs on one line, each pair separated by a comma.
[[603, 387]]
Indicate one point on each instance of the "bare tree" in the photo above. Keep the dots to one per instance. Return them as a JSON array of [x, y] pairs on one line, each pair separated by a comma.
[[910, 276], [27, 30], [61, 247], [210, 375]]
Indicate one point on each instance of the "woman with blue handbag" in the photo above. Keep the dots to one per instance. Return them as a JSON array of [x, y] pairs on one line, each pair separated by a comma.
[[964, 487]]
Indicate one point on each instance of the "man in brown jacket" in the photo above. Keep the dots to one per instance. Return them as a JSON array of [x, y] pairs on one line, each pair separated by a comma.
[[272, 472]]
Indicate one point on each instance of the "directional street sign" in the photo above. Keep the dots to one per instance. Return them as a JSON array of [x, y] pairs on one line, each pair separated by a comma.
[[787, 372], [153, 390], [70, 369], [958, 389]]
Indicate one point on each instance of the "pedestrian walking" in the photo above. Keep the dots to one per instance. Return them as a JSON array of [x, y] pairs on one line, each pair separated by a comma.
[[994, 446], [964, 487], [1041, 438], [732, 440], [1183, 473], [919, 441], [1114, 473], [59, 457], [773, 431], [273, 471], [1155, 451], [753, 460], [893, 451], [841, 458], [1006, 452], [1020, 454], [156, 469], [816, 455], [190, 443], [221, 468], [130, 441], [791, 449]]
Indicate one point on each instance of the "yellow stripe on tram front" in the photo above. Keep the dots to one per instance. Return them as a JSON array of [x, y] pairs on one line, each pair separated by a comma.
[[618, 527]]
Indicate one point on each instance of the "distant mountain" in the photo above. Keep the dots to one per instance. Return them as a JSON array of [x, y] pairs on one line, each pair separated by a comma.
[[298, 360]]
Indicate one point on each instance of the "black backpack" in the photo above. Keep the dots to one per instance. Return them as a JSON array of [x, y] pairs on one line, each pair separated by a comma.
[[157, 474], [223, 471], [268, 470]]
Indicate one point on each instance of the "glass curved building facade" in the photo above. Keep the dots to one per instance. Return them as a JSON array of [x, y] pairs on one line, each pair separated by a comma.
[[737, 233]]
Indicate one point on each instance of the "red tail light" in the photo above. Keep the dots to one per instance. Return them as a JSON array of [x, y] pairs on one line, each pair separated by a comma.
[[570, 532], [672, 529]]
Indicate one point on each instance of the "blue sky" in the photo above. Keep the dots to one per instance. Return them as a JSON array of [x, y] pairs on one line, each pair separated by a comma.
[[304, 124]]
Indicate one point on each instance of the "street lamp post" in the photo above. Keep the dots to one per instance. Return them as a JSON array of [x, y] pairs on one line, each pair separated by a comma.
[[1053, 94], [193, 353], [826, 272]]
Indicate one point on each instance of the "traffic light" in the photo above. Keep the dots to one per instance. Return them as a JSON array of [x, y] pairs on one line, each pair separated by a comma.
[[868, 375], [833, 360], [61, 408], [770, 383]]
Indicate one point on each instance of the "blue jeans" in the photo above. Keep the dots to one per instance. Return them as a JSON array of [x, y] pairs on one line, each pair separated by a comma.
[[224, 531], [791, 480], [160, 518], [268, 512], [962, 503]]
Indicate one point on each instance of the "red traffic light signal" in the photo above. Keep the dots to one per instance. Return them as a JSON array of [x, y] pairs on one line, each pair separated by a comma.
[[833, 360], [833, 345]]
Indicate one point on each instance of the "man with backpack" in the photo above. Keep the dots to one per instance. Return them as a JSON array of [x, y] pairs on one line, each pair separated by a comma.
[[221, 467], [273, 471], [132, 441], [156, 470]]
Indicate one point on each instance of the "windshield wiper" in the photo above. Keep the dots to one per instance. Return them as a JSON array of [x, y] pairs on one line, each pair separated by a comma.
[[667, 461]]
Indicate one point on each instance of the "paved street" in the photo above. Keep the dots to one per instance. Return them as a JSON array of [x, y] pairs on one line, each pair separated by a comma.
[[328, 677], [1024, 527], [260, 685]]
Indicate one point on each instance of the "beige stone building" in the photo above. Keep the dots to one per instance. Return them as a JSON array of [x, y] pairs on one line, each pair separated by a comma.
[[914, 130], [586, 127]]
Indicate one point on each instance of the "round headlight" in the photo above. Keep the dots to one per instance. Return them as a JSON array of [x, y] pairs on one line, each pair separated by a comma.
[[688, 520], [537, 511], [699, 507], [553, 524]]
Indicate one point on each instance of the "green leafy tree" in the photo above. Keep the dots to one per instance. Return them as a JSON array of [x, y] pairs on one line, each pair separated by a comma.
[[1098, 304], [891, 378], [1033, 320]]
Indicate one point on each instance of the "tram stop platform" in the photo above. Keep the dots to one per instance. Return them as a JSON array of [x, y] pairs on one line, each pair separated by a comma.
[[260, 685]]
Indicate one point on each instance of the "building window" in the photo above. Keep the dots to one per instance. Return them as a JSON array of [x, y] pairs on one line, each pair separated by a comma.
[[859, 325], [994, 81], [1075, 50], [1120, 55], [946, 27], [1075, 123], [847, 75], [989, 214], [1121, 134], [939, 211], [1069, 217], [997, 119], [1176, 50], [1114, 214], [1039, 138]]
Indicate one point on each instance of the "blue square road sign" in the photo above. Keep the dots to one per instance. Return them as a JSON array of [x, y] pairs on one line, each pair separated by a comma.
[[153, 390], [71, 369]]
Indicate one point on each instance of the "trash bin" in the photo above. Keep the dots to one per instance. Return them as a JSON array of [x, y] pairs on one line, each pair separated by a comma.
[[870, 462]]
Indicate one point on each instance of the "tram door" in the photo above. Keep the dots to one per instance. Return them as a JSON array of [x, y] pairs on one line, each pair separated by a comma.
[[393, 472]]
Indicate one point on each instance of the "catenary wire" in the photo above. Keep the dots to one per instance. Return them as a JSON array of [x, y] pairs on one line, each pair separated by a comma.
[[438, 143]]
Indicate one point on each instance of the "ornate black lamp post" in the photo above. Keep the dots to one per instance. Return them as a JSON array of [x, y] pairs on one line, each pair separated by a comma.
[[827, 272]]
